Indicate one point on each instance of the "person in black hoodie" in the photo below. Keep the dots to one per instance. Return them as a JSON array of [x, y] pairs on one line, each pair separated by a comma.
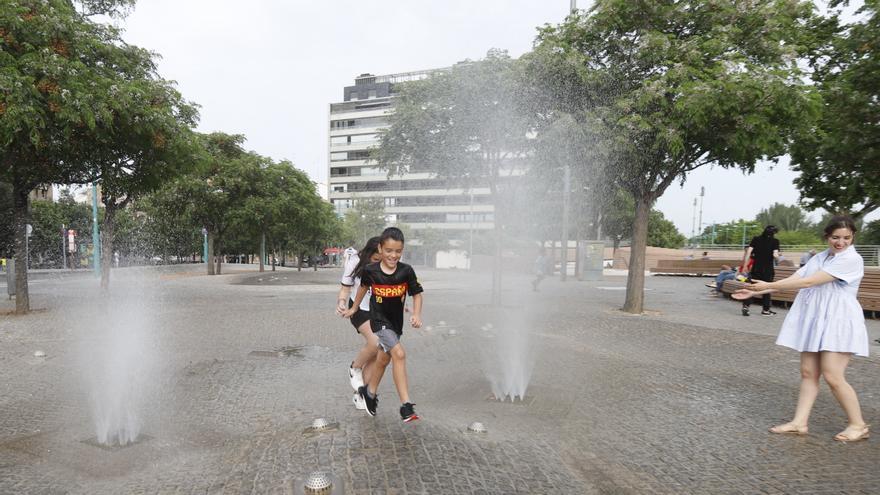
[[764, 251]]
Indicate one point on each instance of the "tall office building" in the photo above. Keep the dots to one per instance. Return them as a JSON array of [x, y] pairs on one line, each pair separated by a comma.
[[419, 200]]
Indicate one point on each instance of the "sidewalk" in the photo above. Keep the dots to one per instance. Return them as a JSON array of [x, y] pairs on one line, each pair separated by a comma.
[[674, 401]]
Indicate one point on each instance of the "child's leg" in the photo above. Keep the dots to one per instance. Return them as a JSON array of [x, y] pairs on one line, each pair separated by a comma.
[[377, 370], [367, 354], [398, 371]]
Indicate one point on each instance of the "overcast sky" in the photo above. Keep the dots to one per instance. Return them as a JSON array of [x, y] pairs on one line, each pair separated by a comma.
[[268, 69]]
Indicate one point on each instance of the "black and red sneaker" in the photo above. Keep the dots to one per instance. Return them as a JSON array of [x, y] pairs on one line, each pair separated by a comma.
[[407, 413]]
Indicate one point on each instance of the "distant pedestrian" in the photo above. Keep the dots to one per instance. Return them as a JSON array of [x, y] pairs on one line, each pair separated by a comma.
[[116, 259], [540, 268], [705, 256], [727, 273], [763, 250], [358, 371], [389, 282], [826, 325], [806, 257]]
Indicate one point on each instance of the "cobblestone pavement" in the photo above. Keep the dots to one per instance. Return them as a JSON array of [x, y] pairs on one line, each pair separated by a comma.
[[675, 401]]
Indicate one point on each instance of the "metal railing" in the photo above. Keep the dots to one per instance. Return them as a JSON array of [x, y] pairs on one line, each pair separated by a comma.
[[870, 253]]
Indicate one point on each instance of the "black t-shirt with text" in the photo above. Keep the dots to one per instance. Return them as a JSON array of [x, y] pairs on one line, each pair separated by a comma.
[[388, 294], [762, 252]]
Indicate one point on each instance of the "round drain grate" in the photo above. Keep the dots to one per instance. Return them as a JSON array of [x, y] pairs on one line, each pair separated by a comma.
[[318, 482], [320, 424], [477, 427]]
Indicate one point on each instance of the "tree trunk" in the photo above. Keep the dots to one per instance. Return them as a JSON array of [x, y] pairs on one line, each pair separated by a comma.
[[635, 280], [274, 257], [219, 243], [107, 227], [20, 217], [262, 253], [299, 262], [210, 260]]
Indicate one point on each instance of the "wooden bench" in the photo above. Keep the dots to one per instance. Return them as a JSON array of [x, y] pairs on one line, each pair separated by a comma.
[[869, 289], [692, 267]]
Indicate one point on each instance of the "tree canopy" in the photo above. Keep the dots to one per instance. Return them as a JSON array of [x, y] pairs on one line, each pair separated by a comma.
[[465, 125], [838, 157], [671, 86]]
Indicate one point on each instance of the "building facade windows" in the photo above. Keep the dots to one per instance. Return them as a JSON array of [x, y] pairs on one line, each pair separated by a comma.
[[420, 197]]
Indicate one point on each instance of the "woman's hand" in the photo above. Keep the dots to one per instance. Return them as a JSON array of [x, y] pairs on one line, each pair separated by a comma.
[[743, 294], [758, 286], [350, 311]]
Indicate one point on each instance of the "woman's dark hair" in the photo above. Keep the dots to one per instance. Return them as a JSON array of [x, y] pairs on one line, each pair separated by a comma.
[[840, 222], [370, 248], [770, 231], [392, 233]]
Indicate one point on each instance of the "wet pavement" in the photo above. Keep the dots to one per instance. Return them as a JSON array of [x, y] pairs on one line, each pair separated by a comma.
[[674, 401]]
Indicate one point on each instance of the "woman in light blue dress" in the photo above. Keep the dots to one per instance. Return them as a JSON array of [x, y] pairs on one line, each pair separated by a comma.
[[826, 325]]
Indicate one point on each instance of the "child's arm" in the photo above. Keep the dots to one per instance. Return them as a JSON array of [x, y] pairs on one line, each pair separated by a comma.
[[362, 291], [342, 299], [416, 319]]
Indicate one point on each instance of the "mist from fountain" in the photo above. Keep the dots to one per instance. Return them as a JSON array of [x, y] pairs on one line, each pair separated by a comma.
[[510, 360], [118, 360]]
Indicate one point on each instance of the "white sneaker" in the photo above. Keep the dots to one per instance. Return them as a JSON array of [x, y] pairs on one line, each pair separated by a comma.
[[358, 402], [356, 376]]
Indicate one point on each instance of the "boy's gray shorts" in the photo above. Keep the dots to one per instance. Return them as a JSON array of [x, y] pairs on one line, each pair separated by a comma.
[[388, 338]]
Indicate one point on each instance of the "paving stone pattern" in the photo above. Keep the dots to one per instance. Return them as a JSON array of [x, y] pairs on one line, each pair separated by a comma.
[[675, 401]]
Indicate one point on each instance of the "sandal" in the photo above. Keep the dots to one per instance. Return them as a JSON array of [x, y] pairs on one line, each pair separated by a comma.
[[791, 430], [863, 434]]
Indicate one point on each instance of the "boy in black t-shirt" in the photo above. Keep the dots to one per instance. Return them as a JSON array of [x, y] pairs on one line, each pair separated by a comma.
[[390, 281]]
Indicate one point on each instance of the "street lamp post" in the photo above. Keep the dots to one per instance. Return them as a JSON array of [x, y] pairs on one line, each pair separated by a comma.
[[471, 234], [566, 184], [700, 223], [205, 245], [63, 246], [745, 225], [96, 238]]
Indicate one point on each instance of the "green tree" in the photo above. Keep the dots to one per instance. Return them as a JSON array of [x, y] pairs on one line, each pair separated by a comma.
[[146, 143], [54, 90], [739, 232], [784, 217], [663, 233], [47, 218], [297, 202], [59, 72], [798, 238], [168, 228], [672, 86], [838, 156], [617, 223], [278, 207], [430, 242], [465, 125], [215, 189], [870, 234], [365, 219]]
